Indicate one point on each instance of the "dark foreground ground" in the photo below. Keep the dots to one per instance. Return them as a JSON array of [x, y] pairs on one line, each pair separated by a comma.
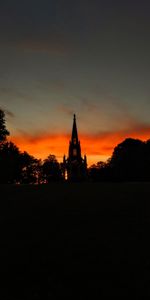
[[75, 241]]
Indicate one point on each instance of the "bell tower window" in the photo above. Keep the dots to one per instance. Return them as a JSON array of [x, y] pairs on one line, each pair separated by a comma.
[[74, 152], [74, 141]]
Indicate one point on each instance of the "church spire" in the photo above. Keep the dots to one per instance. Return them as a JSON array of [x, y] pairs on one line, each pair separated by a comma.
[[74, 130], [75, 165]]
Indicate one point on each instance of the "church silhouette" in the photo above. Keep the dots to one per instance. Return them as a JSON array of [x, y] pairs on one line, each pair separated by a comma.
[[75, 167]]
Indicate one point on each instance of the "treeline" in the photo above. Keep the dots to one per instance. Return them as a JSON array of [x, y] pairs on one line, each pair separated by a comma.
[[18, 167], [130, 161]]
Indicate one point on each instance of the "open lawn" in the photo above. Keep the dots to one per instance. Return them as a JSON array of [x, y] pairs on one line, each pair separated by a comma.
[[75, 240]]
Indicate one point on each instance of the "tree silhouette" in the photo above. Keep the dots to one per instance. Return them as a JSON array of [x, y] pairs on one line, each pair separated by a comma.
[[3, 131], [51, 170], [10, 163], [127, 160], [30, 168], [100, 171], [130, 161]]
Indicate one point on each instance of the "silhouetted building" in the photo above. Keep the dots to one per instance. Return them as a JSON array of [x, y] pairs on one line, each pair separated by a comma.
[[75, 167]]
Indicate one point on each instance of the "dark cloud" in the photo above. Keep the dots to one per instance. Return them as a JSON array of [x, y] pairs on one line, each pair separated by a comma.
[[137, 128], [10, 94], [52, 47], [33, 27], [89, 105], [64, 108], [10, 114], [12, 91], [53, 85]]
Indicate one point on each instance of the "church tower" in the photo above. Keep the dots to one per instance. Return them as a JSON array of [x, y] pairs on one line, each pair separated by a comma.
[[75, 166]]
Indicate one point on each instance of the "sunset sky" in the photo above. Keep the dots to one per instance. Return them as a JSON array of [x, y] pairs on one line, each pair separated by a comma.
[[89, 57]]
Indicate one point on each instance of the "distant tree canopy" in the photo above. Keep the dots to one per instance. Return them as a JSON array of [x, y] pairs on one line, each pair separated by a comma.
[[3, 131], [100, 171], [30, 168], [51, 169]]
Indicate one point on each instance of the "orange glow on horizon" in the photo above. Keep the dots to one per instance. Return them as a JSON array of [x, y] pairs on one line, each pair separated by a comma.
[[97, 147]]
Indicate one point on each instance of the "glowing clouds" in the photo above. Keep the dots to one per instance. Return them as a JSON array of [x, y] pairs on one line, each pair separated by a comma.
[[97, 147], [42, 146]]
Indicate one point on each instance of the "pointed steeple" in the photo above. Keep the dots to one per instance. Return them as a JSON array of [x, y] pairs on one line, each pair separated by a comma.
[[75, 165], [74, 131]]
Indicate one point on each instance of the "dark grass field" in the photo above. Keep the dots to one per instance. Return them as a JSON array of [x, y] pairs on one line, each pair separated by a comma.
[[75, 241]]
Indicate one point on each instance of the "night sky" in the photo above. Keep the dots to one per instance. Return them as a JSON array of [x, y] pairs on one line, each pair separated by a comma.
[[60, 57]]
